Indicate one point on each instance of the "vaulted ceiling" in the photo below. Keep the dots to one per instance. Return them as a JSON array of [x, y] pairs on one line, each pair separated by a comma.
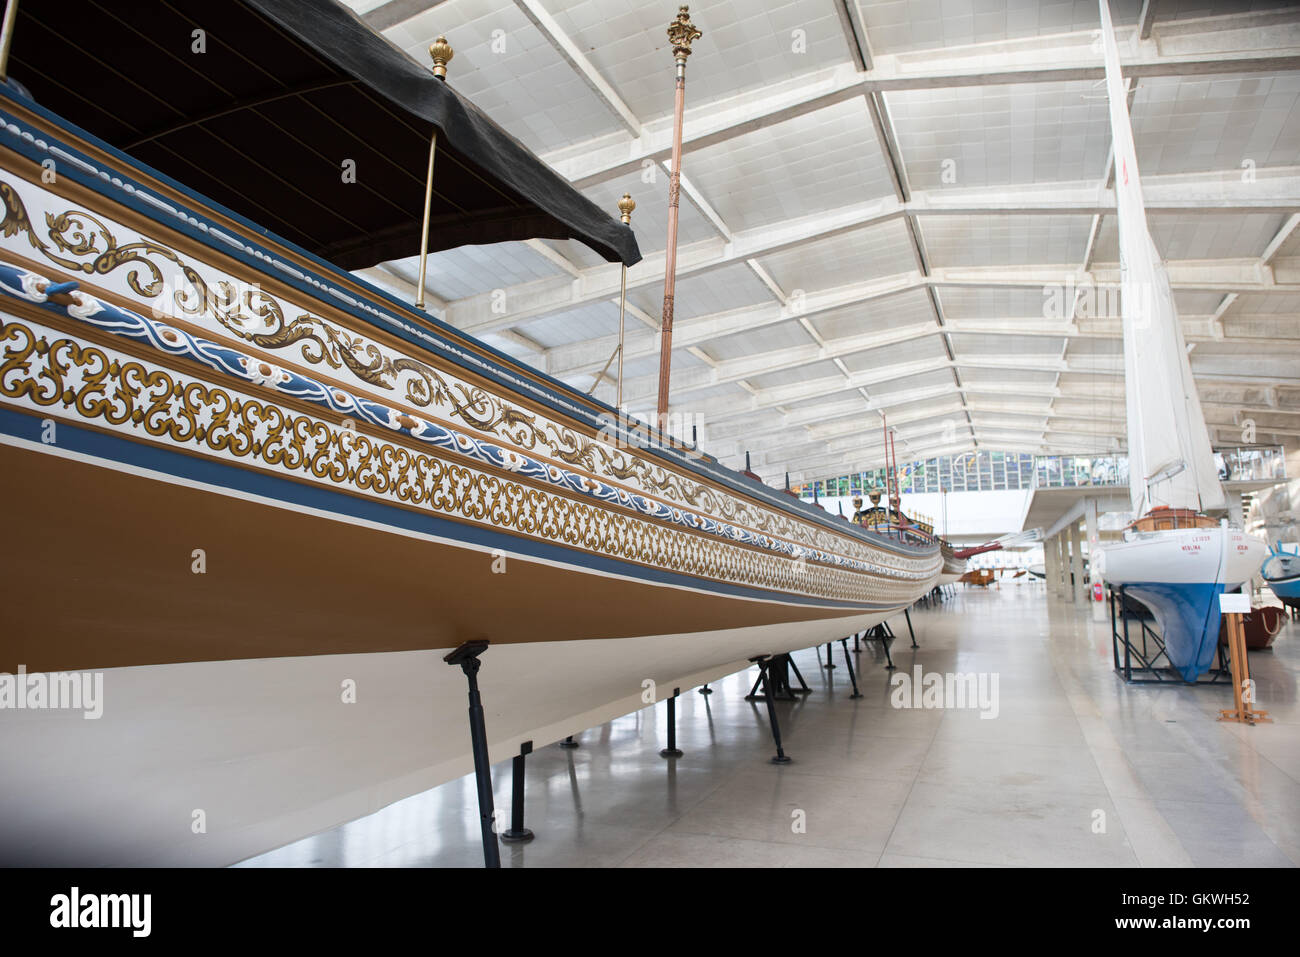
[[902, 208]]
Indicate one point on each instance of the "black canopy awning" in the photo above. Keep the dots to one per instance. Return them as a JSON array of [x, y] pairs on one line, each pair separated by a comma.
[[265, 120]]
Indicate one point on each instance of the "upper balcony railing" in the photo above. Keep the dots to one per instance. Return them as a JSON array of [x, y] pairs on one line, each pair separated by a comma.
[[1251, 463], [999, 471]]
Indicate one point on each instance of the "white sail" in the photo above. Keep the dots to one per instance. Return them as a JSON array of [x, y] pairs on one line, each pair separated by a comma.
[[1170, 459]]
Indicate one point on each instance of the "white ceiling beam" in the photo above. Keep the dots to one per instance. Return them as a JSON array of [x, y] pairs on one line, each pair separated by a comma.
[[855, 33], [577, 358], [864, 427], [1146, 18], [1272, 191], [569, 50], [554, 257], [720, 409], [1280, 237], [521, 340], [1215, 49]]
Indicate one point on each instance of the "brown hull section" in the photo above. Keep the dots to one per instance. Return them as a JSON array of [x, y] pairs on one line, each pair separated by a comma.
[[100, 574]]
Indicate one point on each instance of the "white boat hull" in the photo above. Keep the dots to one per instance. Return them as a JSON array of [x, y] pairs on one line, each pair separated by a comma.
[[269, 753], [1179, 574]]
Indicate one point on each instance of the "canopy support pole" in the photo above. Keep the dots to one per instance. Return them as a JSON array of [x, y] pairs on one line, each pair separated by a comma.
[[7, 38], [625, 207], [441, 53]]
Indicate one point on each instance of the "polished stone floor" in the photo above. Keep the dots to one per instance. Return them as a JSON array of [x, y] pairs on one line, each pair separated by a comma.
[[1077, 769]]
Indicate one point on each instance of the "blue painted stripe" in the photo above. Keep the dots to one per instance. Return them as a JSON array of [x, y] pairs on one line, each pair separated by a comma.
[[112, 448]]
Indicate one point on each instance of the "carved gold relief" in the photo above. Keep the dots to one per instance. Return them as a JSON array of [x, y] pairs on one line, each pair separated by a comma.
[[49, 370]]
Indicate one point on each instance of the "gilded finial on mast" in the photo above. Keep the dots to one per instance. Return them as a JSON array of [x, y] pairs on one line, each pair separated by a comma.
[[441, 52], [625, 207], [681, 32]]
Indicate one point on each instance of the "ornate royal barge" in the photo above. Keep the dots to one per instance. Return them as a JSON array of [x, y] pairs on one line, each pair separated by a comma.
[[265, 497]]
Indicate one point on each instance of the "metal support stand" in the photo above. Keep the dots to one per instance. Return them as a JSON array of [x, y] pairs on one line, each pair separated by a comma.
[[830, 665], [788, 660], [781, 757], [857, 642], [1145, 660], [671, 751], [706, 690], [844, 643], [778, 675], [569, 743], [909, 628], [518, 834], [466, 656], [882, 634]]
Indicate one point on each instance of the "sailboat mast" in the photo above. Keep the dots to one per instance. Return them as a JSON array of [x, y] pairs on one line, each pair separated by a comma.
[[1171, 462], [681, 32]]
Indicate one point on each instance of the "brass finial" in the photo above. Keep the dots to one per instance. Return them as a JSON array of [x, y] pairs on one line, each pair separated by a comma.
[[442, 53], [625, 207], [681, 32]]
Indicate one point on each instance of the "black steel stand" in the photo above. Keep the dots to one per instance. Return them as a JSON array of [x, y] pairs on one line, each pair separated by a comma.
[[671, 751], [909, 628], [706, 690], [778, 675], [1152, 666], [569, 743], [882, 634], [848, 660], [788, 661], [781, 757], [518, 834], [857, 643], [467, 657], [830, 665]]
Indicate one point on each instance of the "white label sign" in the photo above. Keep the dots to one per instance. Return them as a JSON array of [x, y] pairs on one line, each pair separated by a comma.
[[1234, 604]]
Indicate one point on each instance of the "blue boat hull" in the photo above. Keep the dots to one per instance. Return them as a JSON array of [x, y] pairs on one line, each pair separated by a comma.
[[1188, 616], [1287, 590]]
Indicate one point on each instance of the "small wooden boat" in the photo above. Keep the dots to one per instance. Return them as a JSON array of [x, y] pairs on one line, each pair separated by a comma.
[[263, 498], [1262, 624]]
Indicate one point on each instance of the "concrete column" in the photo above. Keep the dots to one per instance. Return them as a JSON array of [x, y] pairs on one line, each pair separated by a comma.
[[1076, 563], [1063, 564], [1049, 565], [1236, 517], [1094, 539]]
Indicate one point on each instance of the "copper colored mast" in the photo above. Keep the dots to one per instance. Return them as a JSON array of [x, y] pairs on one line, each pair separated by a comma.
[[680, 32]]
